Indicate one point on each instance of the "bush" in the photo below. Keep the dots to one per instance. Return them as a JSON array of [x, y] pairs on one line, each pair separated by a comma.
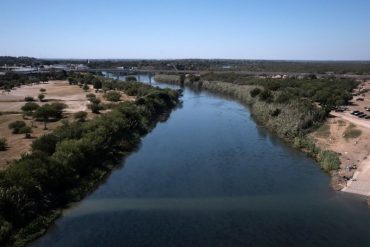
[[27, 130], [283, 98], [113, 96], [29, 99], [90, 96], [266, 96], [97, 83], [42, 90], [41, 97], [3, 144], [16, 126], [80, 116], [329, 160], [255, 92], [20, 127], [85, 87], [275, 112], [95, 108]]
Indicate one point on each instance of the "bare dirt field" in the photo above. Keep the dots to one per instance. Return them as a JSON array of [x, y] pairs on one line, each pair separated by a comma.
[[349, 136], [56, 91]]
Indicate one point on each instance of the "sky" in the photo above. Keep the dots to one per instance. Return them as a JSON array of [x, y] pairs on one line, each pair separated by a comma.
[[171, 29]]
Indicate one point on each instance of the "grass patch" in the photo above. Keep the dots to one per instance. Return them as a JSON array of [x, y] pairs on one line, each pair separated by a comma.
[[329, 160], [351, 132], [323, 131]]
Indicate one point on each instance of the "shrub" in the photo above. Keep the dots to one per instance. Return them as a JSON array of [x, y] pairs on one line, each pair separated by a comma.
[[90, 96], [275, 112], [113, 96], [29, 99], [42, 90], [266, 96], [85, 87], [41, 97], [329, 160], [97, 83], [254, 92], [95, 108], [27, 130], [283, 98], [3, 144], [16, 126], [80, 116]]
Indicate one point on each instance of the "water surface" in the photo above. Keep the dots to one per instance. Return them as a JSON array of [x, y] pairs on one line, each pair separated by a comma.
[[209, 176]]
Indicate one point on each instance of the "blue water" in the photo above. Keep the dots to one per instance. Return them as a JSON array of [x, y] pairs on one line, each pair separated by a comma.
[[210, 176]]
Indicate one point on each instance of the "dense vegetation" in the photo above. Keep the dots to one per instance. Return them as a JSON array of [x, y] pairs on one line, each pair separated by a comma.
[[288, 107], [66, 163], [329, 93]]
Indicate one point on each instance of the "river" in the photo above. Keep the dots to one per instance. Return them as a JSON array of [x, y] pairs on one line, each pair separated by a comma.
[[210, 176]]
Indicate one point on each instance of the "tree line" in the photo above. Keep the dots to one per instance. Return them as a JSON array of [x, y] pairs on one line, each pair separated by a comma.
[[69, 161]]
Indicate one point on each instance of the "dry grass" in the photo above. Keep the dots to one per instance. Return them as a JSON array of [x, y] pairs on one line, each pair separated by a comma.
[[352, 132], [17, 143], [56, 91], [323, 131]]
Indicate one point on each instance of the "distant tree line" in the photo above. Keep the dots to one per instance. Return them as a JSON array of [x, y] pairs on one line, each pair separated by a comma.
[[11, 80]]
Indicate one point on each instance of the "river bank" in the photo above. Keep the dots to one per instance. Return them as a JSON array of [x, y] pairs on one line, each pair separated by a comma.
[[212, 176], [66, 164], [286, 124]]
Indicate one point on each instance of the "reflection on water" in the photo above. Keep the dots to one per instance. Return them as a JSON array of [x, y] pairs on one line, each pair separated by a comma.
[[209, 176]]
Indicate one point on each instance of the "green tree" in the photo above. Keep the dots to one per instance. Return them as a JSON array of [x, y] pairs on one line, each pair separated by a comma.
[[29, 108], [45, 112], [41, 97]]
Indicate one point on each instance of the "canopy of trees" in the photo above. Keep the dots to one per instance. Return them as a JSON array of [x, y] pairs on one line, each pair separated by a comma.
[[66, 163]]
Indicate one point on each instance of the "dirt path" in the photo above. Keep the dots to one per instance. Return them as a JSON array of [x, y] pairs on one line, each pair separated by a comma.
[[355, 152]]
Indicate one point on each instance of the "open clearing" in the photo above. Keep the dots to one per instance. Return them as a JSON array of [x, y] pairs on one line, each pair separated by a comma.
[[342, 137], [56, 91]]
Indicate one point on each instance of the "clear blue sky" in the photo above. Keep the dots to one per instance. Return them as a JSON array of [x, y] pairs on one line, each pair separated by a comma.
[[245, 29]]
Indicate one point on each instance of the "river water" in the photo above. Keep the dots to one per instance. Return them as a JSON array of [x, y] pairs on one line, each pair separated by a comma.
[[210, 176]]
